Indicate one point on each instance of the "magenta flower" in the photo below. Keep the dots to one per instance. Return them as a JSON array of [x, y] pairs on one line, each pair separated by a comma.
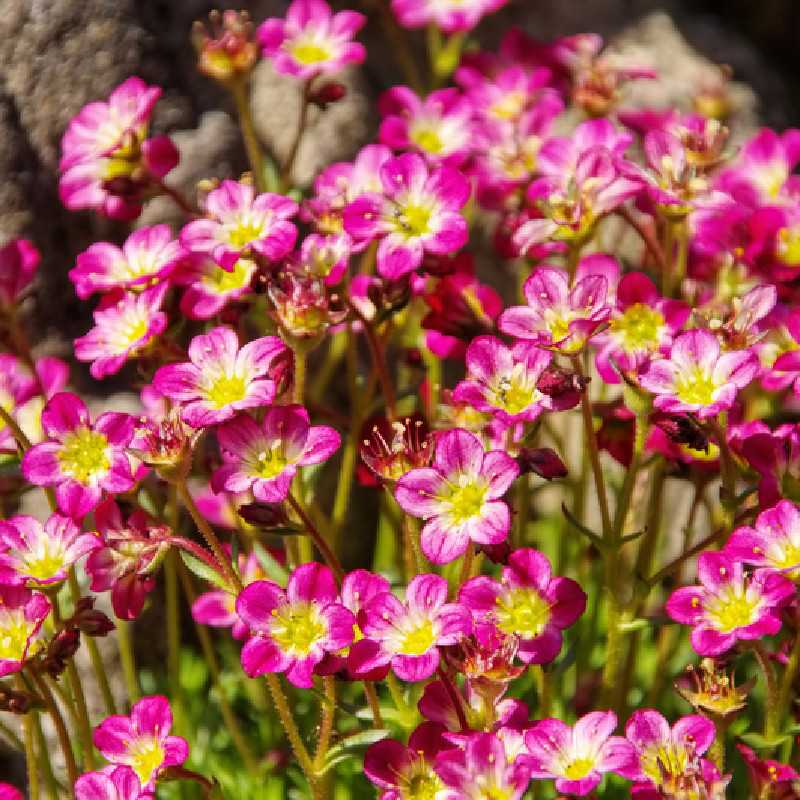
[[325, 257], [662, 757], [528, 603], [220, 378], [438, 127], [125, 324], [9, 792], [640, 327], [80, 459], [141, 741], [128, 558], [407, 636], [241, 223], [728, 606], [292, 629], [22, 613], [210, 287], [459, 496], [148, 256], [417, 213], [556, 315], [697, 377], [115, 783], [264, 457], [576, 757], [41, 554], [312, 40], [773, 542], [401, 771], [107, 159], [502, 380], [482, 767], [449, 16], [767, 775], [19, 261]]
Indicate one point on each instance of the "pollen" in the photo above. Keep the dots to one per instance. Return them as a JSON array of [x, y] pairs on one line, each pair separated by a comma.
[[146, 756], [466, 502], [296, 628], [522, 612], [84, 455], [271, 462], [418, 640], [579, 768], [638, 328], [244, 231], [226, 389], [733, 609], [413, 220], [696, 388]]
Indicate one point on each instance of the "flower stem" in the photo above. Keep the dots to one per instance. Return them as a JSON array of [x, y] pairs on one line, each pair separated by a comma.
[[374, 703], [772, 709], [128, 660], [298, 390], [379, 360], [302, 122], [319, 542], [240, 89], [650, 241], [44, 759], [327, 718], [177, 197], [173, 630], [789, 675], [455, 699], [31, 762]]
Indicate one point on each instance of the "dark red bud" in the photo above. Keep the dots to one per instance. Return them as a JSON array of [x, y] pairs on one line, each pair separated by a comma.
[[330, 92], [542, 461], [496, 553], [15, 702], [264, 515], [682, 430], [556, 382], [90, 621], [413, 357]]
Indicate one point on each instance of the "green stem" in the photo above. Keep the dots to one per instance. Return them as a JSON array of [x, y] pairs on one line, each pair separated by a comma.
[[298, 391], [789, 675], [173, 630], [43, 748], [28, 734], [84, 725], [327, 718], [302, 122], [128, 660], [319, 542], [60, 727], [771, 706], [379, 360], [240, 90], [374, 703]]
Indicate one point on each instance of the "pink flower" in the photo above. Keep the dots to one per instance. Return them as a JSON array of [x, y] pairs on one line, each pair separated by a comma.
[[417, 212], [141, 741], [111, 783], [666, 758], [22, 613], [576, 757], [449, 16], [241, 223], [80, 459], [558, 316], [503, 380], [697, 377], [264, 457], [767, 775], [483, 767], [773, 542], [210, 287], [220, 378], [148, 256], [640, 327], [41, 554], [438, 127], [407, 635], [459, 496], [127, 559], [125, 323], [528, 603], [291, 630], [402, 771], [311, 40], [727, 606], [9, 792], [107, 160], [325, 257], [19, 261]]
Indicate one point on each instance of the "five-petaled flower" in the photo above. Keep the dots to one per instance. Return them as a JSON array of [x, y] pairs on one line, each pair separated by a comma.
[[773, 542], [22, 613], [116, 783]]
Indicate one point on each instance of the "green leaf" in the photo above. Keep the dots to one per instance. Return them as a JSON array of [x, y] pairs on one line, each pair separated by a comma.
[[204, 571], [634, 625], [274, 571], [762, 743], [352, 746]]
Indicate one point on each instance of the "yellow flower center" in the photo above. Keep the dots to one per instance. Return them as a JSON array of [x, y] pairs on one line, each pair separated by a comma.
[[789, 246], [732, 609], [466, 502], [418, 640], [14, 632], [510, 106], [244, 231], [147, 756], [423, 784], [638, 327], [220, 281], [523, 612], [513, 393], [310, 52], [45, 563], [659, 760], [297, 628], [558, 323], [413, 220], [427, 139], [787, 556], [271, 462], [226, 389], [697, 388], [579, 768], [84, 455]]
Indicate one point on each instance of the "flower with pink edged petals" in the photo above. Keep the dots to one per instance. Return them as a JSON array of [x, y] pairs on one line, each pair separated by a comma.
[[142, 740], [576, 757], [774, 541], [19, 260], [729, 606], [22, 613], [417, 213], [240, 223], [459, 496], [556, 315], [697, 377], [767, 774], [125, 324], [148, 256], [438, 127], [292, 629], [312, 40], [406, 772], [210, 287], [80, 458], [528, 603], [265, 457], [111, 783], [41, 554], [663, 757], [221, 378], [450, 16], [503, 380], [483, 768], [640, 327], [407, 635]]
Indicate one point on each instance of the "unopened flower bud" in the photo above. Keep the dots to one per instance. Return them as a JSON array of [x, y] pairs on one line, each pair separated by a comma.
[[225, 47], [63, 647], [15, 702], [496, 553], [542, 461], [558, 383], [327, 93], [89, 620], [264, 515]]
